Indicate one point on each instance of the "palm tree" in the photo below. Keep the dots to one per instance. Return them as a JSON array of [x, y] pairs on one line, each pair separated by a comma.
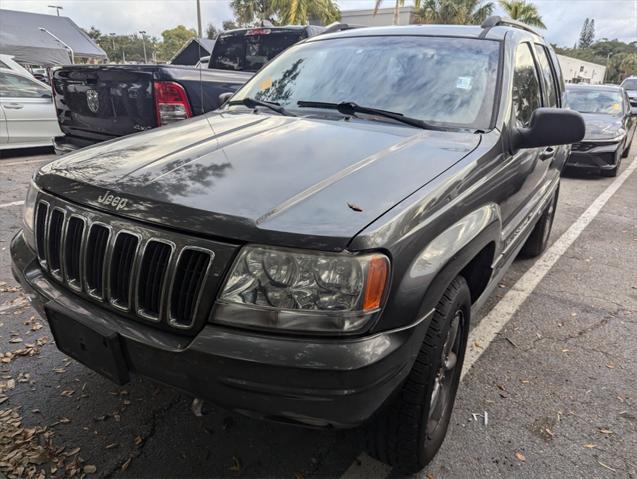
[[397, 5], [249, 12], [522, 11], [461, 12], [301, 11]]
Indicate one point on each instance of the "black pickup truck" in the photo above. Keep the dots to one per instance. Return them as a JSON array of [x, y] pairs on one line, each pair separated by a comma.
[[100, 102]]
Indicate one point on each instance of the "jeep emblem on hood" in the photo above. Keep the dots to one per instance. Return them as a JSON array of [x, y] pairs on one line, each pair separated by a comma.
[[93, 100], [116, 202]]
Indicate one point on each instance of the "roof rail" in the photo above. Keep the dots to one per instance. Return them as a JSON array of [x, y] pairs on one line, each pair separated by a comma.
[[496, 20], [338, 27]]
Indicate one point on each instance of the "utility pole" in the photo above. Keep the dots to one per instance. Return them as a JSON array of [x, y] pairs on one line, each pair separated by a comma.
[[199, 19], [143, 32], [112, 35], [57, 8]]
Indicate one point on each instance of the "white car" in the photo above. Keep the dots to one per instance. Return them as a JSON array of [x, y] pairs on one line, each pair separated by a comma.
[[27, 112]]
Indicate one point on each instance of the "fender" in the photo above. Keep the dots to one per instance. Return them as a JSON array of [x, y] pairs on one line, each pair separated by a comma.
[[433, 269]]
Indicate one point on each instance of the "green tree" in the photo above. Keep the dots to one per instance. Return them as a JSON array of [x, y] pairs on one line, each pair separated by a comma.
[[522, 11], [249, 12], [302, 11], [397, 5], [587, 35], [211, 31], [462, 12], [229, 25], [174, 39]]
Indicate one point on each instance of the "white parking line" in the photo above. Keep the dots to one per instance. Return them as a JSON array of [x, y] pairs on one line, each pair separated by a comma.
[[491, 325], [13, 203]]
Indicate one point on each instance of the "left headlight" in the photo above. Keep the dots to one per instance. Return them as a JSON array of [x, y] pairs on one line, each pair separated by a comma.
[[284, 289], [28, 215]]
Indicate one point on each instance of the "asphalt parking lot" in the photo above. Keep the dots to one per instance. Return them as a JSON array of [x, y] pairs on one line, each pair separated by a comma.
[[552, 391]]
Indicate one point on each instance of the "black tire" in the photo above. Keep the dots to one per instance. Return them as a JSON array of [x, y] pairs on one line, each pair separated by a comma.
[[627, 150], [538, 240], [405, 434]]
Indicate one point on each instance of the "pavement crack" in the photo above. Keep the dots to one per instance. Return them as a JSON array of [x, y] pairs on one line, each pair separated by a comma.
[[157, 415]]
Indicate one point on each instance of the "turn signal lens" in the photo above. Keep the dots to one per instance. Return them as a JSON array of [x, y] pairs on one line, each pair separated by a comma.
[[377, 272]]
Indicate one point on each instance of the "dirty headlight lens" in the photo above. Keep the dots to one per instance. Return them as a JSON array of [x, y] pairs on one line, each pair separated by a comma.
[[302, 291], [28, 215]]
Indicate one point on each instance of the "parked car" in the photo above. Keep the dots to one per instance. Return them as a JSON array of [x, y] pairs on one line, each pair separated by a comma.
[[312, 252], [630, 85], [101, 102], [610, 127], [27, 115]]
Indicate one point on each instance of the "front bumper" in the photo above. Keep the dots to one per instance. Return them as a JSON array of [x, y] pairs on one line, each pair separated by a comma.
[[310, 381], [596, 157]]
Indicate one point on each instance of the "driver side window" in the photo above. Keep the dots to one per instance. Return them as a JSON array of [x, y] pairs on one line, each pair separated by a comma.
[[16, 86], [526, 86]]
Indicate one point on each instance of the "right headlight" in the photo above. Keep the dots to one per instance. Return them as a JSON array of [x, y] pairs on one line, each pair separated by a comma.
[[28, 215], [285, 289]]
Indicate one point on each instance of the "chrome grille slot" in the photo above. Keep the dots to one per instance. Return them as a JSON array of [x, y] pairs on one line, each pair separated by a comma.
[[40, 229], [56, 224], [73, 250], [94, 259], [189, 277], [121, 272], [152, 277], [140, 272]]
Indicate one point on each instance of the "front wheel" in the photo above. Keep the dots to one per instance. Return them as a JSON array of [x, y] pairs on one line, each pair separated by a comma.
[[409, 430]]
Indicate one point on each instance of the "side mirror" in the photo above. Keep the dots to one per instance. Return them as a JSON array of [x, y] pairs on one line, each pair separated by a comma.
[[550, 127], [224, 97]]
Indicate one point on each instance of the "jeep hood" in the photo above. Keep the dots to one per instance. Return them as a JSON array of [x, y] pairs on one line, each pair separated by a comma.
[[303, 182]]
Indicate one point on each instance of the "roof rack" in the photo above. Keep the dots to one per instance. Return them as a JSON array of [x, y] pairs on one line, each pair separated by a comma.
[[496, 20], [338, 27]]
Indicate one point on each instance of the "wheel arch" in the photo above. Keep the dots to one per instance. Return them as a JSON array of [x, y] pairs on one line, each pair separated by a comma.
[[467, 248]]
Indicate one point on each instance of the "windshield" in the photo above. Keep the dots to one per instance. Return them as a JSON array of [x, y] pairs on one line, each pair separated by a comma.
[[630, 84], [251, 50], [449, 81], [595, 101]]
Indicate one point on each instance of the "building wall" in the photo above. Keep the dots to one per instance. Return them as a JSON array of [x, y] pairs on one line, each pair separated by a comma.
[[579, 71], [385, 16]]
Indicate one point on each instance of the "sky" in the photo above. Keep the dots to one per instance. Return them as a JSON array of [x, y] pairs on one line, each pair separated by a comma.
[[563, 18]]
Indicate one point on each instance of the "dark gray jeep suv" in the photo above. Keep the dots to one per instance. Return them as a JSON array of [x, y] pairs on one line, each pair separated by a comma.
[[312, 252]]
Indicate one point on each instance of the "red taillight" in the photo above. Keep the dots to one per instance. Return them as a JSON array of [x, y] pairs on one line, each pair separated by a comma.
[[171, 102]]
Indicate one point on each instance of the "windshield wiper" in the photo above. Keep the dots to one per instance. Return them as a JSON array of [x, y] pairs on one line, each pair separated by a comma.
[[351, 108], [253, 102]]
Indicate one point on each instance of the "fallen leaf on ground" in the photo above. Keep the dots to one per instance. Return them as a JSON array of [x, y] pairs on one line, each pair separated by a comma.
[[606, 431], [126, 464], [590, 446], [236, 465], [520, 457], [89, 469]]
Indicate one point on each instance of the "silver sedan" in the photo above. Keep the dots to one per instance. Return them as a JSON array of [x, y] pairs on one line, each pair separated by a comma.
[[27, 112]]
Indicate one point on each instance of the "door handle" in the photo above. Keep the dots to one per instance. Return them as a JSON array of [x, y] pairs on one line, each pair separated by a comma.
[[13, 106], [547, 153]]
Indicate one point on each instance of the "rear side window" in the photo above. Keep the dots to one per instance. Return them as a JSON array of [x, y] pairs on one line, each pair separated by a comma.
[[549, 78], [248, 51], [16, 86], [526, 86]]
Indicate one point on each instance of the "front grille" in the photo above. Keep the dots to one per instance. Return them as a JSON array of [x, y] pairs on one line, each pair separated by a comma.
[[165, 278], [191, 271], [121, 274], [153, 277], [95, 256]]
